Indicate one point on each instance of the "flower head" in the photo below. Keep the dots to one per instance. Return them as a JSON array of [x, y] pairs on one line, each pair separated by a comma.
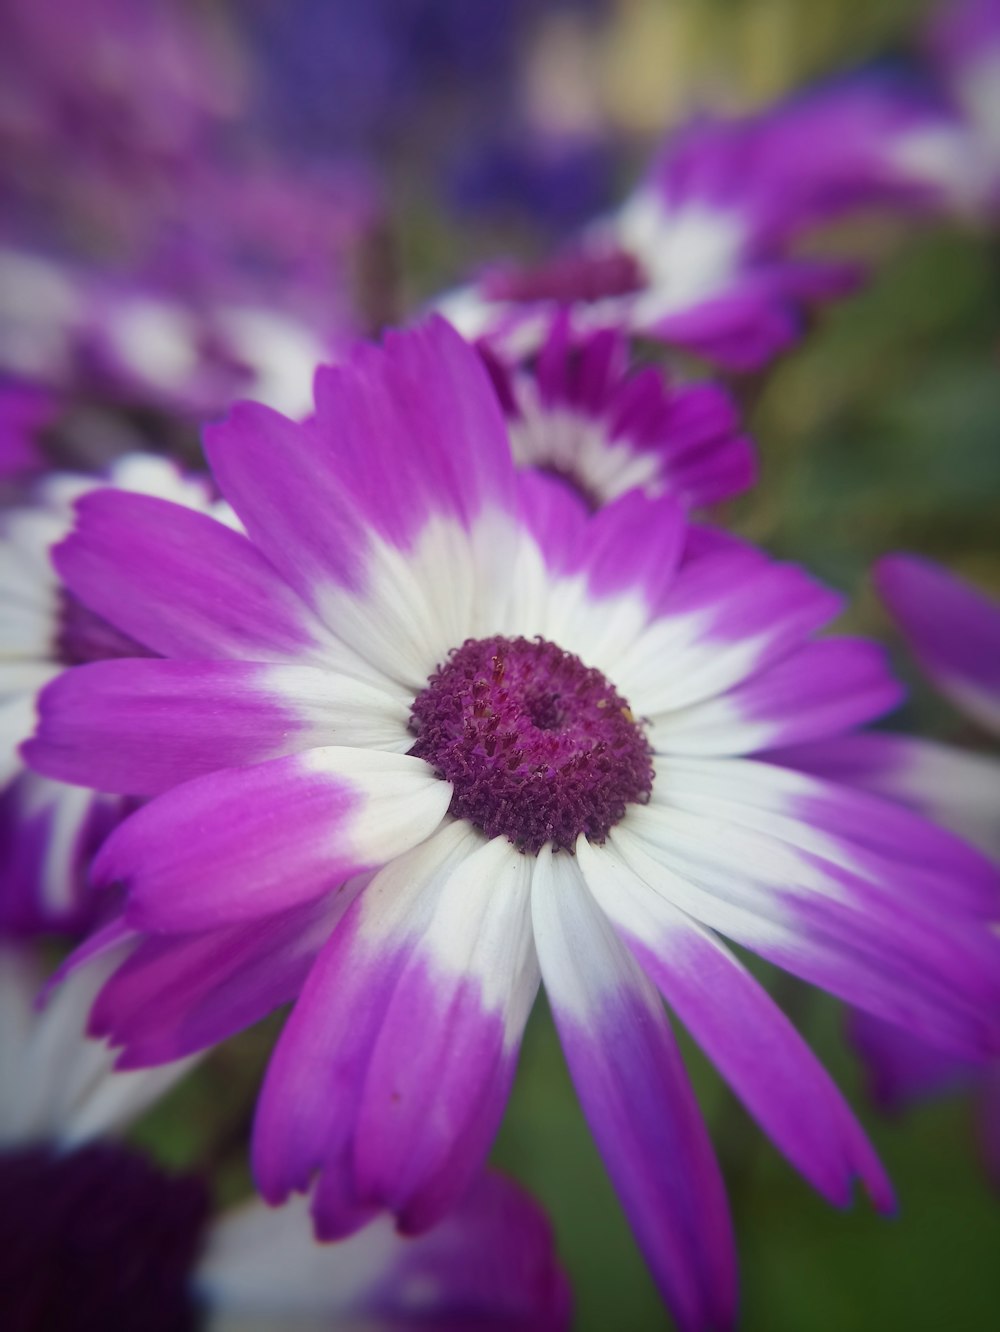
[[580, 413], [364, 700], [705, 253]]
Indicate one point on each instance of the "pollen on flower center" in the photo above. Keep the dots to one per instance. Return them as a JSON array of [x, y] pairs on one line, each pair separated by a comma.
[[538, 747]]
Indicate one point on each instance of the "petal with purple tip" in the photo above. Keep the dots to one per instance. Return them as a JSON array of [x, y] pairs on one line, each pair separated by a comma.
[[953, 630], [139, 727], [822, 688], [182, 583], [247, 842], [742, 1031], [441, 1067], [634, 1091]]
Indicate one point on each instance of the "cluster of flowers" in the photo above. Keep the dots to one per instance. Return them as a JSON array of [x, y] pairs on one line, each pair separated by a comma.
[[447, 685]]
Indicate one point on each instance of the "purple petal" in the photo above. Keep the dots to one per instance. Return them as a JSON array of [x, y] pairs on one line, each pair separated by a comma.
[[426, 383], [634, 543], [726, 616], [315, 497], [718, 471], [48, 835], [821, 689], [307, 1109], [900, 1068], [247, 842], [440, 948], [141, 726], [881, 931], [954, 787], [490, 1264], [953, 630], [555, 517], [587, 416], [180, 582], [175, 995], [440, 1071], [631, 1082], [742, 1031]]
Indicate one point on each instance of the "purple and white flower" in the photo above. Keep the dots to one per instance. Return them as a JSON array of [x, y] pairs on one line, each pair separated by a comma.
[[94, 1234], [428, 734], [581, 413], [179, 346], [49, 831], [703, 254]]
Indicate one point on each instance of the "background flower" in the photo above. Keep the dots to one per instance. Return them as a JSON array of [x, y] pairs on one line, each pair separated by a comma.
[[94, 1233]]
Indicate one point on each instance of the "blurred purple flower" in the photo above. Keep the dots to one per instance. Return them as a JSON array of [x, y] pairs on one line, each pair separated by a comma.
[[104, 105], [392, 63], [705, 253], [557, 181], [93, 1235], [153, 249]]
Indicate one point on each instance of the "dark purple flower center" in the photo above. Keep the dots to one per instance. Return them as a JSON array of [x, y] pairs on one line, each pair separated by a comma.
[[538, 747], [82, 636], [568, 278], [97, 1238]]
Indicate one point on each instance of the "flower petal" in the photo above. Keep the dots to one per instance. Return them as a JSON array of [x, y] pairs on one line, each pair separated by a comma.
[[622, 562], [141, 726], [820, 689], [901, 1069], [955, 787], [182, 583], [177, 994], [871, 936], [426, 383], [742, 1031], [247, 842], [442, 1064], [49, 833], [953, 630], [307, 1108], [878, 840], [401, 551], [490, 1263], [725, 617], [631, 1082], [56, 1085]]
